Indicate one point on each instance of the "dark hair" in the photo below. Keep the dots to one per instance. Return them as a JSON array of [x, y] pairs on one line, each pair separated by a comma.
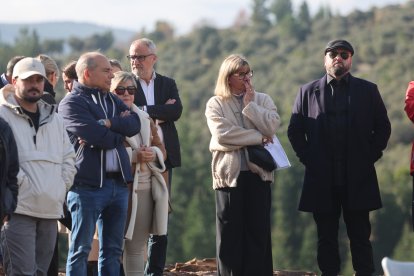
[[70, 71], [10, 65]]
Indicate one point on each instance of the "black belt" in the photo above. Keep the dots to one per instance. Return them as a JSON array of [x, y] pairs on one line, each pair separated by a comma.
[[113, 175]]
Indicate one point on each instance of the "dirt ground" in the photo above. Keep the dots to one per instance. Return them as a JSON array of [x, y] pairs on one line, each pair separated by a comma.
[[205, 267]]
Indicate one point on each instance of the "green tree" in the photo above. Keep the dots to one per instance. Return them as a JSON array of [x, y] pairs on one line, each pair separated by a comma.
[[27, 43], [163, 31], [76, 44], [281, 9], [260, 14], [304, 21], [6, 53], [52, 46], [198, 239], [100, 42]]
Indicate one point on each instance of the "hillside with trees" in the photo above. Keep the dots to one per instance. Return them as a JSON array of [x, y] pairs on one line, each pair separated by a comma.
[[285, 50]]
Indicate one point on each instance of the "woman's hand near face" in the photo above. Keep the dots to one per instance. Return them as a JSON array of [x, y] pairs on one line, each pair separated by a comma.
[[249, 95]]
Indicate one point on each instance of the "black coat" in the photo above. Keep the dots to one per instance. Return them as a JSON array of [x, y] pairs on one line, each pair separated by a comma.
[[165, 88], [9, 168], [49, 93], [368, 131]]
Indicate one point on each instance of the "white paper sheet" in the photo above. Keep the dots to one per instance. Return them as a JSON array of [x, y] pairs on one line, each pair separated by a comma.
[[278, 154]]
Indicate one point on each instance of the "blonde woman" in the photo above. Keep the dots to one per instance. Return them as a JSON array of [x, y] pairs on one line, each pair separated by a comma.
[[52, 77], [149, 197], [238, 116]]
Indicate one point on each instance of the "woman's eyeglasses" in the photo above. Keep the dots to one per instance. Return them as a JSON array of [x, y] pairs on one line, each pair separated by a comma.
[[344, 55], [242, 75], [120, 90]]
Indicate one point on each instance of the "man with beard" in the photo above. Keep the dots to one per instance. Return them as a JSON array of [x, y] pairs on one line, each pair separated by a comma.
[[338, 129], [47, 168]]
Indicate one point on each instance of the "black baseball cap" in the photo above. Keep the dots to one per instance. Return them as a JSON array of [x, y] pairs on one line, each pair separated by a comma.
[[339, 44]]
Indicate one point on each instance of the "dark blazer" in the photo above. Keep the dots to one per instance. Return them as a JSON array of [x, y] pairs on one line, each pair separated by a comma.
[[9, 167], [165, 88], [368, 132]]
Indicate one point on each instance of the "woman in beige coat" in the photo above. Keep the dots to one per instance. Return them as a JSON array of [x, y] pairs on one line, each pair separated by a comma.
[[149, 195], [238, 116]]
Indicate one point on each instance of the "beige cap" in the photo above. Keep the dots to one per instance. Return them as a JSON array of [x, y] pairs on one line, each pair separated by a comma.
[[28, 67]]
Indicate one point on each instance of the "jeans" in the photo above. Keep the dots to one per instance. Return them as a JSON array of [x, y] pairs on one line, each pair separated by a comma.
[[107, 208]]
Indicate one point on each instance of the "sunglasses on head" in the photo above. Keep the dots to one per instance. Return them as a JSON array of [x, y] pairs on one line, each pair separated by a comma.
[[344, 55], [120, 90]]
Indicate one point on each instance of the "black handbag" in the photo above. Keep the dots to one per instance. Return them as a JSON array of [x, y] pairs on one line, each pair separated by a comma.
[[261, 157]]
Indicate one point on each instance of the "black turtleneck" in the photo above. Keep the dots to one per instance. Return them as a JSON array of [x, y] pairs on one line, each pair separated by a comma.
[[48, 93], [337, 102]]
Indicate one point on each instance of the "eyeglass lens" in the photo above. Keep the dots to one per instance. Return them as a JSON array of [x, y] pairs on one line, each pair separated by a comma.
[[120, 90], [242, 75], [333, 54], [139, 58]]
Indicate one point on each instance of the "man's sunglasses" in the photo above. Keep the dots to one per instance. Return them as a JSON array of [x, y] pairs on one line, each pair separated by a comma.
[[120, 90], [344, 55]]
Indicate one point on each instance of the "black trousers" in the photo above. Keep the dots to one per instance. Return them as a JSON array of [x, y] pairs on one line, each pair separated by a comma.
[[157, 246], [358, 228], [243, 234]]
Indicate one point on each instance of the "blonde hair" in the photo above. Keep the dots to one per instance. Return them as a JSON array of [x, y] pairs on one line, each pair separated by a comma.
[[121, 76], [230, 65], [49, 64]]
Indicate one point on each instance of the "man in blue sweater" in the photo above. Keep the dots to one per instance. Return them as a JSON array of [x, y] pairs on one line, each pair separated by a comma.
[[97, 123]]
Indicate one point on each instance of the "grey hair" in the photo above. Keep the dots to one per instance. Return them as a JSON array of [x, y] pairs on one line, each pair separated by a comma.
[[147, 42], [86, 61], [122, 76]]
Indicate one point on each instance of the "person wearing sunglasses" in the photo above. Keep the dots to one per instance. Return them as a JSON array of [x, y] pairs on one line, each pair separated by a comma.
[[149, 200], [339, 128], [158, 96]]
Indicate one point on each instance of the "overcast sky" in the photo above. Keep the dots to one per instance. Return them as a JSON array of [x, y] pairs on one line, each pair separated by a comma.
[[137, 14]]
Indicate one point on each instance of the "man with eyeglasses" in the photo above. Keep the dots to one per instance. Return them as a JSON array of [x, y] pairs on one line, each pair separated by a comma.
[[158, 96], [339, 128]]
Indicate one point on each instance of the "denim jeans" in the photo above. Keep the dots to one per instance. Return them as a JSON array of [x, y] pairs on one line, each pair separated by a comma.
[[105, 207]]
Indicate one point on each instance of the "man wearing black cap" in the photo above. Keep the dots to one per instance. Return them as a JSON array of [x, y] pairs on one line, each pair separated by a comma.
[[338, 129]]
